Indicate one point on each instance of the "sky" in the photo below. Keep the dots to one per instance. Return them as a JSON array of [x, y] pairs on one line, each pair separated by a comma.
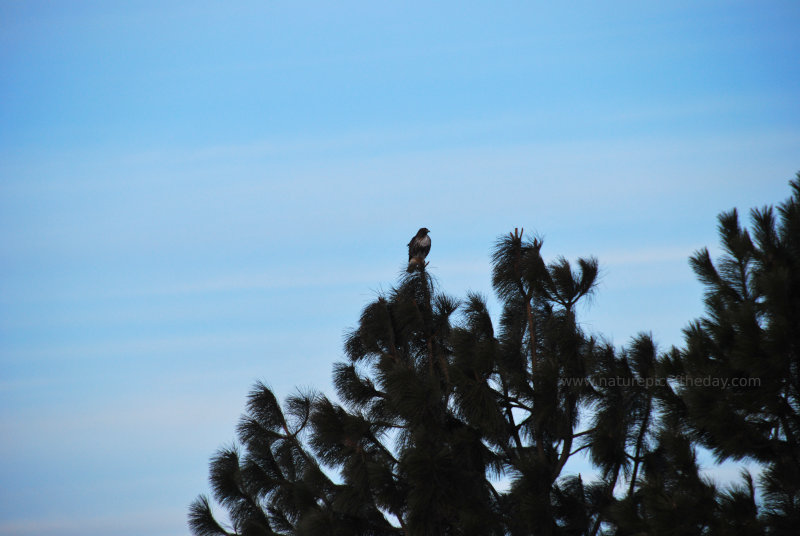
[[198, 195]]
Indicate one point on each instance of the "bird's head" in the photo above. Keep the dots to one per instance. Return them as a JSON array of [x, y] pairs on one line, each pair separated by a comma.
[[423, 231]]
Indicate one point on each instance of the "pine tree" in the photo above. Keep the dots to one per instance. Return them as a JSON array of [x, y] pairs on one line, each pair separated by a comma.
[[436, 402], [747, 346], [430, 410], [542, 363], [624, 419]]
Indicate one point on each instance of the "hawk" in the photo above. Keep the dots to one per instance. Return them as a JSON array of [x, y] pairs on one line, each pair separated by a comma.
[[418, 249]]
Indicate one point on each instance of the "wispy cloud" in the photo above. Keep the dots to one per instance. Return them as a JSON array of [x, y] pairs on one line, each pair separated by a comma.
[[155, 522], [650, 255]]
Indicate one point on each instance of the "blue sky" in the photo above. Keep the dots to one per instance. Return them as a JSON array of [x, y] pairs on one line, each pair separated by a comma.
[[200, 195]]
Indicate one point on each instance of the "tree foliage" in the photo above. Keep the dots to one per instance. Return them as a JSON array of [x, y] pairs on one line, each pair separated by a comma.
[[448, 422]]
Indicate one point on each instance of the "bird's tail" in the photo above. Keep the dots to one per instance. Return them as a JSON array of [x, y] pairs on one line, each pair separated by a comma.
[[415, 263]]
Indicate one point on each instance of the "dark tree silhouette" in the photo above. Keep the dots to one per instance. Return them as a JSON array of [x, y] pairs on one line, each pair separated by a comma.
[[750, 338], [437, 405], [430, 411]]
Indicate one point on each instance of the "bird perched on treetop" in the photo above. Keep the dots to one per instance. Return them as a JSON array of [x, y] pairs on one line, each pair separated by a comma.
[[418, 249]]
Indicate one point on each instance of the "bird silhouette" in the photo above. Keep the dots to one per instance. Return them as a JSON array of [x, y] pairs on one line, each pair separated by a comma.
[[418, 249]]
